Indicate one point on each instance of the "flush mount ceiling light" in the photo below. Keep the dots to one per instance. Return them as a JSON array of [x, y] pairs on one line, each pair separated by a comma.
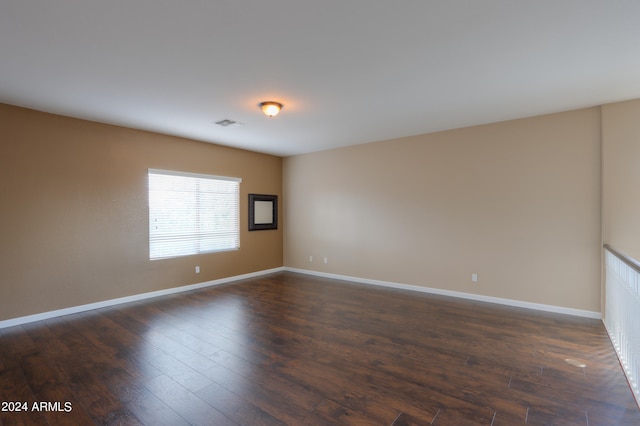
[[271, 109]]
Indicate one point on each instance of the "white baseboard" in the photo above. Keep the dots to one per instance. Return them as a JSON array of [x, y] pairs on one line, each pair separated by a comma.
[[461, 295], [82, 308], [133, 298]]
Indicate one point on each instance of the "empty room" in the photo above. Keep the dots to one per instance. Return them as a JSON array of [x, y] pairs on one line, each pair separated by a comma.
[[319, 213]]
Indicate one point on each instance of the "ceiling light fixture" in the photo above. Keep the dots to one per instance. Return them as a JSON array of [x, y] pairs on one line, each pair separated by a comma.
[[271, 109]]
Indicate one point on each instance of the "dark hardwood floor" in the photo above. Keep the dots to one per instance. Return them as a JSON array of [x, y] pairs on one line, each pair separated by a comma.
[[300, 350]]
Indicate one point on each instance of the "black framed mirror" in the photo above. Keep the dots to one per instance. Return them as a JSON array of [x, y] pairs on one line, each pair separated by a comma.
[[263, 212]]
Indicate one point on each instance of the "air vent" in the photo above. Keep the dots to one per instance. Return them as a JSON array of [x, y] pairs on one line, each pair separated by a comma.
[[228, 123]]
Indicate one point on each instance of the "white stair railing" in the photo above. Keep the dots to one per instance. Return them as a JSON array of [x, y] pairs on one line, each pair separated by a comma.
[[622, 313]]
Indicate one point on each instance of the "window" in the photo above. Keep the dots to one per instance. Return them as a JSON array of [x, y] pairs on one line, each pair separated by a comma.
[[191, 214]]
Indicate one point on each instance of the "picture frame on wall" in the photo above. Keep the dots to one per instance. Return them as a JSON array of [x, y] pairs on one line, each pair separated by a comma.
[[263, 212]]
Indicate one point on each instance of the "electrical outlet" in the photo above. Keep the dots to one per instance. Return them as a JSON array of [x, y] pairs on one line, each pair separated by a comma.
[[474, 278], [326, 260], [197, 269], [310, 258]]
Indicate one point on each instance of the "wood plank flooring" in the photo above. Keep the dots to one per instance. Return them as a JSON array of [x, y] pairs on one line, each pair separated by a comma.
[[290, 349]]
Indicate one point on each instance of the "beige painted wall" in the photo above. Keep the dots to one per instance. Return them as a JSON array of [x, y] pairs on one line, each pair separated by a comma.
[[74, 214], [516, 202], [621, 176]]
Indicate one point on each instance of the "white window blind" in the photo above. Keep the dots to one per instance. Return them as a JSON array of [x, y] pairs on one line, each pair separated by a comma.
[[191, 213]]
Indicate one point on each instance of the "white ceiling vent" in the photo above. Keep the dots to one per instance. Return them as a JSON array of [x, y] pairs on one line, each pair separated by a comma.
[[228, 123]]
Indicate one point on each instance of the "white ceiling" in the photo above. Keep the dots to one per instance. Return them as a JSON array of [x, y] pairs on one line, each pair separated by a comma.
[[347, 71]]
